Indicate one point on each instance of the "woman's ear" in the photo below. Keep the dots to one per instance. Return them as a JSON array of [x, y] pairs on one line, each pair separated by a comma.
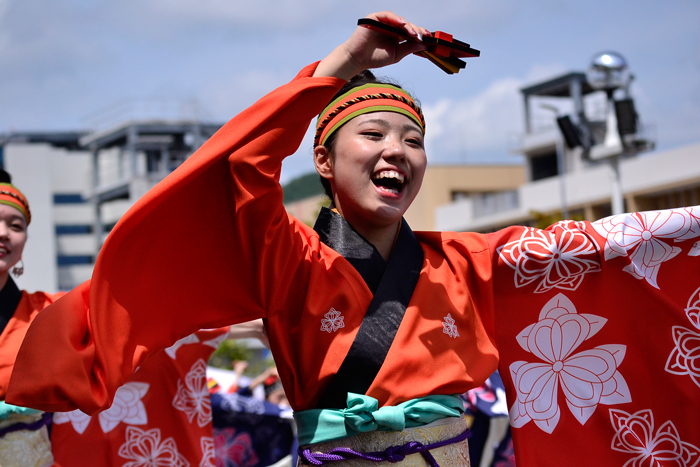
[[323, 162]]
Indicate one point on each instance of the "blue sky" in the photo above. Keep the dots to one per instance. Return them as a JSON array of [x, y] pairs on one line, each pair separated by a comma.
[[62, 63]]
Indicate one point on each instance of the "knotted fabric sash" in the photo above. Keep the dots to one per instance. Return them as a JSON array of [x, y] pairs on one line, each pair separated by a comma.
[[363, 415], [8, 409]]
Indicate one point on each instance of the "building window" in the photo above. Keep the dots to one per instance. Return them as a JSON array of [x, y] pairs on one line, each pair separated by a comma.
[[459, 195], [486, 204], [78, 229], [544, 166], [65, 260], [68, 198]]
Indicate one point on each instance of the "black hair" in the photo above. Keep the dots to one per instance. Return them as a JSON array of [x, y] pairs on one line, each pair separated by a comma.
[[360, 79], [5, 177]]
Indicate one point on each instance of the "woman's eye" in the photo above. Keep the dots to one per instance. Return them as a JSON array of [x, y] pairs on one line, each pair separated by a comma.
[[415, 142], [372, 134]]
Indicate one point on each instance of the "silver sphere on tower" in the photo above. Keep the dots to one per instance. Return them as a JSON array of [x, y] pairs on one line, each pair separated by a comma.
[[608, 71]]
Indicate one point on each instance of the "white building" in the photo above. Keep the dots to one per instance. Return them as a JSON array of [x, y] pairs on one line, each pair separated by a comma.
[[79, 184], [573, 183]]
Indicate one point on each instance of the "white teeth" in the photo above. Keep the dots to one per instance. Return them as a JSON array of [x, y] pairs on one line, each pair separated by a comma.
[[389, 174]]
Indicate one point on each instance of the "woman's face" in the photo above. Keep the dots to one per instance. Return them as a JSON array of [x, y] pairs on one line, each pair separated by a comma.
[[13, 236], [376, 168]]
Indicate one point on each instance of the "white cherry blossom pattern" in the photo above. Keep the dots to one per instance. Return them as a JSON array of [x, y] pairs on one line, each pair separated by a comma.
[[685, 357], [695, 249], [215, 342], [645, 236], [80, 420], [127, 407], [144, 449], [449, 327], [208, 452], [634, 434], [555, 258], [172, 350], [587, 378], [332, 321], [192, 395], [694, 231]]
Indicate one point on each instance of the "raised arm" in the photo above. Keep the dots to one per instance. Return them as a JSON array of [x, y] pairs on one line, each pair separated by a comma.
[[367, 49], [192, 253], [210, 245]]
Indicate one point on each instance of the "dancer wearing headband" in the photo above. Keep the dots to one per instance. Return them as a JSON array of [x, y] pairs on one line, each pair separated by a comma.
[[24, 438], [374, 328]]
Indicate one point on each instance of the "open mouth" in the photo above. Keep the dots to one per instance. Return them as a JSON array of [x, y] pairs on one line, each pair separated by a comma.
[[389, 180]]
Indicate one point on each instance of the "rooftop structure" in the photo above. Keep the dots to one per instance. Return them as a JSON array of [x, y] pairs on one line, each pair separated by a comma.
[[130, 158], [584, 147], [79, 184]]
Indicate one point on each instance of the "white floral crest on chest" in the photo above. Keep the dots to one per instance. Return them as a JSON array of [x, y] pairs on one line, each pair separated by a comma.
[[449, 327], [332, 321]]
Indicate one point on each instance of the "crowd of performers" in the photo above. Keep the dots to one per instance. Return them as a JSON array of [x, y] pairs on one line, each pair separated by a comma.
[[376, 330]]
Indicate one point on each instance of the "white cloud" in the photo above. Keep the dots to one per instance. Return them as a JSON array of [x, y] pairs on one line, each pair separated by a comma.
[[228, 95], [478, 124], [541, 72], [256, 19]]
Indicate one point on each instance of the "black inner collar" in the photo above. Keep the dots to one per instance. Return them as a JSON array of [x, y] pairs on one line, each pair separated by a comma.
[[392, 284], [334, 231], [10, 297]]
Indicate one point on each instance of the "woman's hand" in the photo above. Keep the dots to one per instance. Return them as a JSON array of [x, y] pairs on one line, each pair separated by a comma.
[[371, 49]]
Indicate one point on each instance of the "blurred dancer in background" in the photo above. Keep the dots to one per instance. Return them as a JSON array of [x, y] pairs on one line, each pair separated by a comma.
[[24, 438]]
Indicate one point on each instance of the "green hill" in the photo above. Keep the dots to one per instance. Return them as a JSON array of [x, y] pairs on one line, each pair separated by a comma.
[[302, 187]]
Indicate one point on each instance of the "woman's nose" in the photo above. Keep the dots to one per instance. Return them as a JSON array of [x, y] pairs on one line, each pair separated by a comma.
[[394, 149]]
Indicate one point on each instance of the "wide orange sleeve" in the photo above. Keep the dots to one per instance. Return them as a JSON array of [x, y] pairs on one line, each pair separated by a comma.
[[597, 326], [206, 247]]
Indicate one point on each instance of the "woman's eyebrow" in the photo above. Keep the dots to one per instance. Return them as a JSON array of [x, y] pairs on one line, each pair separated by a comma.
[[15, 217]]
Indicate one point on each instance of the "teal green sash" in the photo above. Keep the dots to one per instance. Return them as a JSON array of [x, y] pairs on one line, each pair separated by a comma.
[[363, 414], [7, 409]]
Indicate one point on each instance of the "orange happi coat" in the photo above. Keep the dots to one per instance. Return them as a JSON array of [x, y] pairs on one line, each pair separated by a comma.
[[595, 323], [156, 280]]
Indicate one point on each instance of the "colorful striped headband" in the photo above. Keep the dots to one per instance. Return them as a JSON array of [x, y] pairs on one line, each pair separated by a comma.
[[11, 196], [372, 97]]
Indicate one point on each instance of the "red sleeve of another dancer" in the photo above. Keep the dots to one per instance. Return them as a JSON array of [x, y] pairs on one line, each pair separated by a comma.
[[206, 247]]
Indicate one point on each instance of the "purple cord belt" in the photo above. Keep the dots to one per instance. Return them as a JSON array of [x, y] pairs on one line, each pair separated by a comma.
[[44, 420], [391, 454]]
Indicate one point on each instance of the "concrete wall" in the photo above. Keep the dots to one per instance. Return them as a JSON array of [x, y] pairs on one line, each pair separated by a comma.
[[30, 167], [646, 175], [441, 182]]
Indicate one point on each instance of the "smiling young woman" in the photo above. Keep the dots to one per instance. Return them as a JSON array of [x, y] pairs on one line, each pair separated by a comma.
[[375, 328], [375, 173]]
